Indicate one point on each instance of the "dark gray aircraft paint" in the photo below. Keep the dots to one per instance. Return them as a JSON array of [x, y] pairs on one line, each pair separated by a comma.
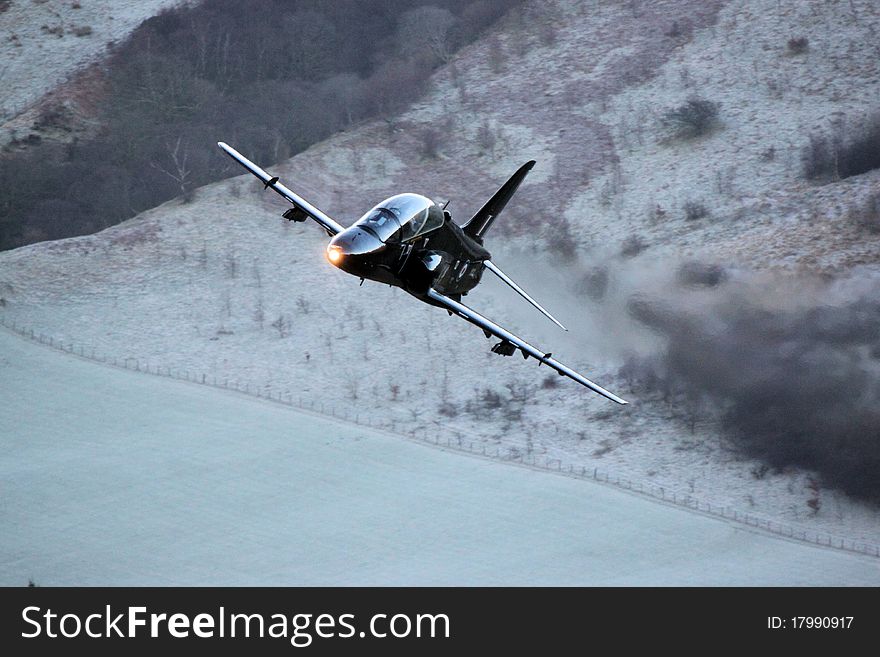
[[411, 242]]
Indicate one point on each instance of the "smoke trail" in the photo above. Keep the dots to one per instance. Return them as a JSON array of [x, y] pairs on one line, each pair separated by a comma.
[[791, 366]]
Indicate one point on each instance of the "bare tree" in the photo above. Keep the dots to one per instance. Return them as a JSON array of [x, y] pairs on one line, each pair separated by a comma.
[[179, 171], [430, 27], [259, 315], [282, 325]]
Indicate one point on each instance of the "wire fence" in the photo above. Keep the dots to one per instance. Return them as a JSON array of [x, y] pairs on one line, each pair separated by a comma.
[[458, 440]]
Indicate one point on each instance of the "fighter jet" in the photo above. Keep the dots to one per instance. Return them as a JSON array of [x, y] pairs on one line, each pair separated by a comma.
[[411, 242]]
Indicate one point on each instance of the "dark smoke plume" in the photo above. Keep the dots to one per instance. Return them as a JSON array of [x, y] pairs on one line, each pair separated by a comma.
[[794, 375]]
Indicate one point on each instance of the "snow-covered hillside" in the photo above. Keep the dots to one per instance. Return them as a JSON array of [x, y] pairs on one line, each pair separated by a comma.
[[116, 478], [223, 286], [46, 41]]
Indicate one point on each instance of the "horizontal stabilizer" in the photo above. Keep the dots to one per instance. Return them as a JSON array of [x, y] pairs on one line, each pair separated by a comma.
[[491, 266]]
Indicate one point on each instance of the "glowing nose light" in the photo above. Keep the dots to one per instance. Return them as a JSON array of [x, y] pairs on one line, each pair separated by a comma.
[[334, 255]]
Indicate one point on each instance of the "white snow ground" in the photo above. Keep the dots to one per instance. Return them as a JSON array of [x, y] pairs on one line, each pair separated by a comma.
[[111, 477], [34, 60], [200, 286]]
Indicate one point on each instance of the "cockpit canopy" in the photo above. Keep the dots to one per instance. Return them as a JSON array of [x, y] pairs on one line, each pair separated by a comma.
[[402, 218]]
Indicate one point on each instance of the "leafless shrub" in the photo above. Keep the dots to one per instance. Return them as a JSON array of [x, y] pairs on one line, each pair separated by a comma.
[[486, 138], [605, 446], [352, 384], [760, 470], [259, 313], [547, 33], [231, 265], [680, 30], [490, 399], [694, 118], [561, 240], [448, 409], [814, 502], [699, 274], [657, 214], [550, 382], [632, 246], [4, 5], [54, 115], [866, 215], [282, 325], [594, 283], [57, 30], [429, 142], [303, 305], [798, 45], [490, 402], [834, 157], [818, 158], [695, 210], [82, 30], [496, 55]]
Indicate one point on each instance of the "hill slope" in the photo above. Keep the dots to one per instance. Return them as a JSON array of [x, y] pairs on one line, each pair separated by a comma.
[[223, 286], [63, 37]]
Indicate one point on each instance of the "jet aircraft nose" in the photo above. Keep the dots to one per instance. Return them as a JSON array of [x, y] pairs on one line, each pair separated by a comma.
[[354, 241]]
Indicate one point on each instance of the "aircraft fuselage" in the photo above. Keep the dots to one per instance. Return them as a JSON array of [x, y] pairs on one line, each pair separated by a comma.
[[443, 258]]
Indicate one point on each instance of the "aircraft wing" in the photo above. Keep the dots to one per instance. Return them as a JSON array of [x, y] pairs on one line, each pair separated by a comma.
[[490, 327], [302, 207]]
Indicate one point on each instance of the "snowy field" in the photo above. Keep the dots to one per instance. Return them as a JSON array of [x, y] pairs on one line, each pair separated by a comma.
[[222, 286], [116, 478]]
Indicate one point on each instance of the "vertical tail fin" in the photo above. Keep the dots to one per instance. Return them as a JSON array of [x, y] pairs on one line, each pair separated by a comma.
[[480, 222]]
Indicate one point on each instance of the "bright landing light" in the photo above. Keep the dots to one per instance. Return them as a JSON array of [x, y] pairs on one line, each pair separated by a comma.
[[334, 255]]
